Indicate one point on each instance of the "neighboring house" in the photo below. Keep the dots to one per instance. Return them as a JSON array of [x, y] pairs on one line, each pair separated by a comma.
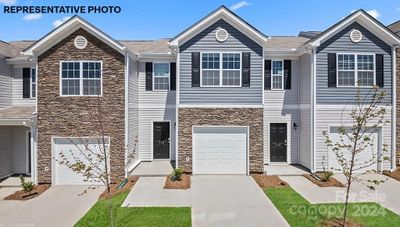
[[395, 27], [219, 98]]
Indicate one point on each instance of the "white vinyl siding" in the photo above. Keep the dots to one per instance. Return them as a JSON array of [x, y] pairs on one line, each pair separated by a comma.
[[133, 112], [19, 151], [5, 151], [80, 78], [5, 84], [17, 87]]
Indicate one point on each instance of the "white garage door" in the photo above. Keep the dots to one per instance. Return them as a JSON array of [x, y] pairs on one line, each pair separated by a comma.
[[366, 158], [220, 150], [71, 149]]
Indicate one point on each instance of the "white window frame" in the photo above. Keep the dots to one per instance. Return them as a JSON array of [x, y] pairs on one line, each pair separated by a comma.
[[169, 76], [33, 84], [221, 70], [356, 70], [81, 78], [282, 76]]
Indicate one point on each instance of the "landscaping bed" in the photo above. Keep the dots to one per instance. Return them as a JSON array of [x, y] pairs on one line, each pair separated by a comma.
[[265, 181], [21, 195], [338, 222], [395, 174], [183, 183], [299, 212], [114, 190], [332, 182]]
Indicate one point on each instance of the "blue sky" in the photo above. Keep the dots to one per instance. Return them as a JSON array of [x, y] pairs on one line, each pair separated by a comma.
[[154, 19]]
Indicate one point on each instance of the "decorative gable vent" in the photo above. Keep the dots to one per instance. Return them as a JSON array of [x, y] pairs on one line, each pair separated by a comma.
[[221, 35], [355, 36], [80, 42]]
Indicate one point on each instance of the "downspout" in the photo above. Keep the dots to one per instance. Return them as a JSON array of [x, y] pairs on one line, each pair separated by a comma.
[[126, 111], [394, 99], [313, 103], [176, 107]]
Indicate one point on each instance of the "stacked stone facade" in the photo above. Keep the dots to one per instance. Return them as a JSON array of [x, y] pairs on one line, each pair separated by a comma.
[[79, 116]]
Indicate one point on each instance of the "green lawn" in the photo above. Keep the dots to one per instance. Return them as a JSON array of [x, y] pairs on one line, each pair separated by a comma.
[[299, 212], [141, 216]]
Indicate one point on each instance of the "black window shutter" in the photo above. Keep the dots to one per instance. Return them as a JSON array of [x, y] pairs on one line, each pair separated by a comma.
[[149, 76], [267, 74], [331, 69], [26, 82], [287, 65], [379, 69], [173, 76], [246, 69], [195, 69]]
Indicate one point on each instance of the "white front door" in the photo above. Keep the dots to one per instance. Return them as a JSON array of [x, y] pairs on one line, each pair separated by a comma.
[[220, 150]]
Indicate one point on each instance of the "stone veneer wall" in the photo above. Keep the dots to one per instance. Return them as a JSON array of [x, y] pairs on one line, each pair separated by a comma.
[[76, 116], [398, 106], [252, 117]]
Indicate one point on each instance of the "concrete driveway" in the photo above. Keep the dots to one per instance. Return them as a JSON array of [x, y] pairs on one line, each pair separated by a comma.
[[231, 201], [58, 206], [385, 194]]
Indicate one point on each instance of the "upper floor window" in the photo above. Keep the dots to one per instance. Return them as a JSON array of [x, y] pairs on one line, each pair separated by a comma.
[[81, 78], [277, 75], [355, 70], [161, 76], [33, 83], [220, 69]]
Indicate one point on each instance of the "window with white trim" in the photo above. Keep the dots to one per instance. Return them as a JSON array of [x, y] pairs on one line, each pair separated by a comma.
[[33, 83], [81, 78], [161, 76], [277, 75], [355, 70], [221, 69]]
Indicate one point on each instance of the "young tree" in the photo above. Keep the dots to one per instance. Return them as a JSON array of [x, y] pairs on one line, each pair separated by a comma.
[[356, 134]]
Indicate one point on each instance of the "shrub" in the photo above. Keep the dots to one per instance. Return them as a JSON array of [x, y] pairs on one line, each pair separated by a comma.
[[176, 174], [27, 186], [326, 176]]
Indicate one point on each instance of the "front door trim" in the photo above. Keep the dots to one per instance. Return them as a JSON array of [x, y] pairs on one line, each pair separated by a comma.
[[152, 139]]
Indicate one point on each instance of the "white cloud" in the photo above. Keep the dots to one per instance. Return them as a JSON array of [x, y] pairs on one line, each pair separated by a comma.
[[32, 16], [374, 13], [398, 8], [8, 2], [239, 5], [57, 23]]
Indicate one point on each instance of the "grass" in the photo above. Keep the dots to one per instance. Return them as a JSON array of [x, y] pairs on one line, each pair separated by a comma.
[[299, 212], [132, 216]]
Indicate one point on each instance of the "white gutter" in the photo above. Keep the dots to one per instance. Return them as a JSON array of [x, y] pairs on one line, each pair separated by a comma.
[[394, 99], [313, 111]]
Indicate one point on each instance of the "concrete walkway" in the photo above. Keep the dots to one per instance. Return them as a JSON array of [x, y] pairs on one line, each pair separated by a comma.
[[154, 168], [150, 192], [385, 194], [58, 206]]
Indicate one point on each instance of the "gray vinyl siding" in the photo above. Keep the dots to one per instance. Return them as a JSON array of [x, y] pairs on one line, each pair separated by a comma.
[[5, 151], [341, 43], [5, 84], [154, 106], [205, 42], [133, 111], [17, 89], [330, 116], [305, 129], [282, 107], [19, 149]]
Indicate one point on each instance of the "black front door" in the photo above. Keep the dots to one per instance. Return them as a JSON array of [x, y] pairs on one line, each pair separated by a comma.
[[161, 140], [278, 145]]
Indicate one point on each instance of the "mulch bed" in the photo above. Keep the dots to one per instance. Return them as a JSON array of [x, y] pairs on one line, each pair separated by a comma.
[[115, 191], [331, 183], [265, 181], [337, 222], [395, 174], [184, 183], [21, 195]]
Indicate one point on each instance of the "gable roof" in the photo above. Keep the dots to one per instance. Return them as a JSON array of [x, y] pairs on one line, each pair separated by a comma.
[[67, 28], [221, 13], [395, 27], [366, 21], [284, 43]]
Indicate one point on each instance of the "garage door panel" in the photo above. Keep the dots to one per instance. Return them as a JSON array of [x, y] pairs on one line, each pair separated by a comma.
[[74, 151], [220, 150]]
